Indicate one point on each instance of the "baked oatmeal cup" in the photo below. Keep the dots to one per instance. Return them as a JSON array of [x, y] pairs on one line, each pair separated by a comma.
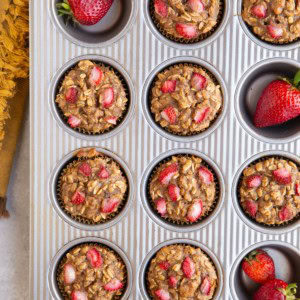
[[185, 99], [269, 191], [181, 271], [92, 98], [274, 21]]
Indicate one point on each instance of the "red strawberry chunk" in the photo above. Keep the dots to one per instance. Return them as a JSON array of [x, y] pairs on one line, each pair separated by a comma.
[[78, 198], [109, 205], [69, 274], [114, 285], [196, 5], [79, 295], [201, 114], [169, 86], [166, 174], [174, 192], [111, 120], [85, 169], [284, 214], [205, 175], [108, 97], [164, 265], [253, 181], [195, 211], [297, 189], [71, 95], [103, 173], [161, 8], [74, 121], [188, 267], [162, 294], [282, 176], [259, 11], [96, 76], [94, 257], [187, 31], [205, 286], [172, 281], [161, 206], [274, 31], [169, 114], [198, 81], [251, 207]]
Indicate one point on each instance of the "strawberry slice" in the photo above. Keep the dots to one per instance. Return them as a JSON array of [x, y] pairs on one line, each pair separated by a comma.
[[166, 174], [71, 95], [259, 11], [188, 267], [111, 120], [108, 97], [196, 6], [69, 274], [172, 281], [161, 8], [253, 181], [284, 214], [187, 31], [201, 114], [85, 169], [94, 257], [79, 295], [78, 198], [274, 31], [297, 189], [195, 211], [96, 76], [169, 86], [198, 81], [162, 294], [103, 173], [169, 114], [174, 192], [205, 286], [205, 175], [109, 205], [251, 207], [282, 176], [114, 285], [74, 121], [164, 265], [161, 206]]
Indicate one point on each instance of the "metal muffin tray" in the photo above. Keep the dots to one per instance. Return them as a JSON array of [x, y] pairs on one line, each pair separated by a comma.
[[243, 65]]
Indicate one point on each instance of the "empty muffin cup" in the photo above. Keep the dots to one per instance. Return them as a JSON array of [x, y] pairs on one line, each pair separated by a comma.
[[287, 267], [249, 90]]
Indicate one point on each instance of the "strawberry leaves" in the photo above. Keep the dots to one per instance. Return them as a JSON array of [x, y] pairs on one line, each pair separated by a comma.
[[297, 80]]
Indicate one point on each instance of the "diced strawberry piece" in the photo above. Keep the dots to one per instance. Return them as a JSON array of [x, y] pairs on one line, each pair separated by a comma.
[[198, 81], [164, 265], [166, 174], [114, 285], [96, 76], [79, 295], [282, 176], [161, 206], [253, 181], [205, 175], [69, 274], [297, 189], [201, 114], [161, 8], [172, 281], [196, 5], [205, 286], [111, 120], [103, 173], [188, 267], [174, 192], [78, 198], [71, 95], [251, 207], [85, 169], [169, 114], [284, 214], [74, 121], [259, 11], [94, 257], [169, 86], [187, 31], [108, 97], [195, 211], [274, 31], [162, 294], [109, 205]]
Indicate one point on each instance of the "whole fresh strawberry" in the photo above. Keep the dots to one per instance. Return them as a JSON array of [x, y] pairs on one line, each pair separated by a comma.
[[276, 289], [85, 12], [279, 102], [259, 266]]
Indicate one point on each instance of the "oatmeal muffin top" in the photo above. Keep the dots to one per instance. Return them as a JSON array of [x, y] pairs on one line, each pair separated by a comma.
[[92, 97], [93, 187], [183, 189], [275, 21], [91, 271], [270, 191], [181, 272], [185, 100], [187, 19]]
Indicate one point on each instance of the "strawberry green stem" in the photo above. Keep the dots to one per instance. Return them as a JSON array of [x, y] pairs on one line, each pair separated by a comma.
[[297, 79], [290, 291]]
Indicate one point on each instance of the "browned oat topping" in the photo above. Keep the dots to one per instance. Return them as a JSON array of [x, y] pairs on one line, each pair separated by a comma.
[[270, 191], [181, 272], [273, 20], [185, 100], [94, 187], [183, 189], [92, 97], [92, 272]]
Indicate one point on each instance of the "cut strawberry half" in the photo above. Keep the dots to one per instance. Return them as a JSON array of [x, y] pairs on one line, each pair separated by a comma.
[[282, 176], [196, 6], [169, 86], [114, 285], [166, 174], [274, 31], [201, 114], [69, 274], [174, 192], [205, 286], [188, 267], [94, 257], [103, 173], [111, 120], [74, 121], [78, 198], [161, 206], [205, 175], [253, 181], [96, 76], [79, 295], [109, 205], [161, 8], [251, 207], [108, 97], [195, 211], [164, 265], [162, 294], [284, 214], [71, 95], [187, 31], [169, 114], [297, 189], [198, 81], [172, 281], [259, 11], [85, 169]]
